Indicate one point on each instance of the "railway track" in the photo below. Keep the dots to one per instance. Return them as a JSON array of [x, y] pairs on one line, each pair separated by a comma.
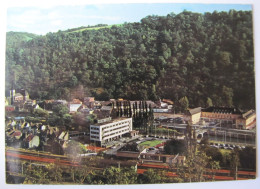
[[221, 174], [39, 157]]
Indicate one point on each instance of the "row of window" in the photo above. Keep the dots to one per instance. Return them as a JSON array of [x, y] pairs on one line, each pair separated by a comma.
[[93, 132], [95, 137], [119, 132], [125, 122], [94, 128], [218, 116], [116, 132], [115, 129]]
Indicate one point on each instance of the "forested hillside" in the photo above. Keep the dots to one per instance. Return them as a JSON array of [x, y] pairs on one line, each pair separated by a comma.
[[209, 58]]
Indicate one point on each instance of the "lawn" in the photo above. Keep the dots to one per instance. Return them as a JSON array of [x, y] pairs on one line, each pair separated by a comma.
[[151, 143]]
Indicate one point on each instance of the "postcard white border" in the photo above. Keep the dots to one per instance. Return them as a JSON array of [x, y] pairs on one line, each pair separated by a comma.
[[252, 184]]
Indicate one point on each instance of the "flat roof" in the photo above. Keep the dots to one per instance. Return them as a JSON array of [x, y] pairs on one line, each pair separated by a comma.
[[222, 110], [111, 121]]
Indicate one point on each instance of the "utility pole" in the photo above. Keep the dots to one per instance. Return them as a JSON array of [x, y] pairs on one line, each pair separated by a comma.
[[174, 123], [155, 128], [168, 132], [236, 173]]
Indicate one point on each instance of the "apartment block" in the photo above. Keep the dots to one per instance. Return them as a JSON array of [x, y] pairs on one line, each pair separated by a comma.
[[109, 130]]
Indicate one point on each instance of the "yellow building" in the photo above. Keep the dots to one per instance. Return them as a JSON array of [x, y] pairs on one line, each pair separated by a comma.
[[247, 120], [230, 116], [193, 115]]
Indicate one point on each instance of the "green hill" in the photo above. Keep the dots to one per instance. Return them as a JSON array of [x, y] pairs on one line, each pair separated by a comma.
[[205, 57], [15, 38]]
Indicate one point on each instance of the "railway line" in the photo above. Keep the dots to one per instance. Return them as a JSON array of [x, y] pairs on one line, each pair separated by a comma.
[[39, 157], [221, 174]]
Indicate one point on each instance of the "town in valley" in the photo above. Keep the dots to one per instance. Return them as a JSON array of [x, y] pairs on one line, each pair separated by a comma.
[[160, 99], [95, 135]]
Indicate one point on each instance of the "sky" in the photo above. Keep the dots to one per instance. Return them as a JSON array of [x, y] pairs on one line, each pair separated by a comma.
[[41, 20]]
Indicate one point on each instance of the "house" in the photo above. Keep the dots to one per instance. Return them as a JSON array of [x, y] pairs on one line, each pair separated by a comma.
[[161, 104], [168, 101], [64, 136], [132, 133], [24, 93], [75, 105], [75, 101], [130, 151], [74, 108], [172, 160], [18, 97], [17, 135], [56, 102], [31, 141], [97, 105], [9, 108], [88, 101], [193, 115], [247, 120], [30, 105], [21, 95], [86, 110]]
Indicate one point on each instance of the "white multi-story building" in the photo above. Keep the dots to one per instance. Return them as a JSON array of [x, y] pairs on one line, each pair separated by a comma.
[[109, 130]]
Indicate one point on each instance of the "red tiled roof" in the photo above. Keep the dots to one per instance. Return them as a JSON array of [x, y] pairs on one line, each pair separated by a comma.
[[76, 101], [16, 133]]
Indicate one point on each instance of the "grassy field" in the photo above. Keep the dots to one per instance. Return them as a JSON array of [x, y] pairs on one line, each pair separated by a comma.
[[94, 28], [151, 143]]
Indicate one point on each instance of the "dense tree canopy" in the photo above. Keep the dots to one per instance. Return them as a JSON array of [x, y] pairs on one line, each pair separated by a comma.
[[198, 56], [175, 147]]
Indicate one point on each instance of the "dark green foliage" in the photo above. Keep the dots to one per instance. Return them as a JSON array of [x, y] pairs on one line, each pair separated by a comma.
[[151, 176], [115, 175], [247, 158], [60, 116], [200, 56], [40, 113], [183, 104], [214, 153], [175, 147]]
